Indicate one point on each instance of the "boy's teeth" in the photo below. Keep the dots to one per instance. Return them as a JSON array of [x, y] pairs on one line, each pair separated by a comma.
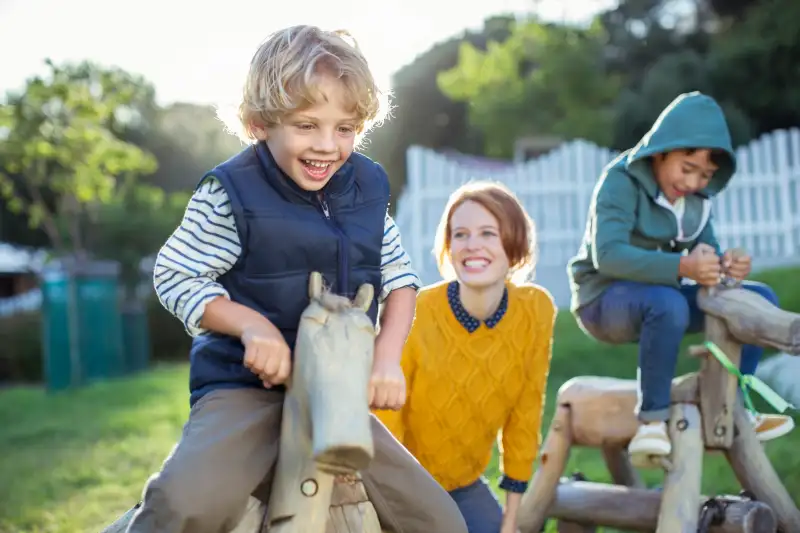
[[320, 164]]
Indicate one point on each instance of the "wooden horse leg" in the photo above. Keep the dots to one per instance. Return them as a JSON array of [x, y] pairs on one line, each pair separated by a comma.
[[756, 474], [619, 466], [678, 512], [552, 462]]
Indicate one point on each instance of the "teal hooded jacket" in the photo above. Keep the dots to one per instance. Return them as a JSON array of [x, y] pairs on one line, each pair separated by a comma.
[[632, 232]]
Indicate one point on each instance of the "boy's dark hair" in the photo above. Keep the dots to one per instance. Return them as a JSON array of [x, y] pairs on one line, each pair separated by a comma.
[[718, 157]]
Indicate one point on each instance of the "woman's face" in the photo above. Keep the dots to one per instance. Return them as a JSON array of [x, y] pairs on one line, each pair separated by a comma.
[[476, 247]]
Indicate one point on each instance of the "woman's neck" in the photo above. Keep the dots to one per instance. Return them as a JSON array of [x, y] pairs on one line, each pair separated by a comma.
[[481, 302]]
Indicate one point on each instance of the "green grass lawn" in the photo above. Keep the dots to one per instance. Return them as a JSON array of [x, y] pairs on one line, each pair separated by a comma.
[[72, 462]]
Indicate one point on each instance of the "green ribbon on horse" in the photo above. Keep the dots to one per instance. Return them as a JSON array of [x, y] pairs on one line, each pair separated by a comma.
[[749, 382]]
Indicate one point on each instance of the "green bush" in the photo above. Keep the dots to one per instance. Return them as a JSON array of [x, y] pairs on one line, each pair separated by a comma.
[[21, 353], [168, 338]]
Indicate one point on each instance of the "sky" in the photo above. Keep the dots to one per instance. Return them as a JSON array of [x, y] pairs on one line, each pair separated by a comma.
[[196, 51]]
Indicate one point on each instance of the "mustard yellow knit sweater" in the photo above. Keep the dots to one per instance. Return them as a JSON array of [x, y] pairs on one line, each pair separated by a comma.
[[471, 382]]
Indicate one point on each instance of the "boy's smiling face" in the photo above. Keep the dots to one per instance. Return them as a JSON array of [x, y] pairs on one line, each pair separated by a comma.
[[683, 172], [312, 143]]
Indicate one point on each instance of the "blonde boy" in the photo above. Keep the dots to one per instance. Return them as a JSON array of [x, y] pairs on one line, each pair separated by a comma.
[[299, 199]]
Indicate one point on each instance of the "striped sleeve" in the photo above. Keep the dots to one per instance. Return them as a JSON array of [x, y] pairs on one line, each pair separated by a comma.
[[203, 247], [396, 269]]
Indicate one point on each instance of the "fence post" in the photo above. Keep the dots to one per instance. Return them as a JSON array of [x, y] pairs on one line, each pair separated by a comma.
[[415, 169], [783, 169]]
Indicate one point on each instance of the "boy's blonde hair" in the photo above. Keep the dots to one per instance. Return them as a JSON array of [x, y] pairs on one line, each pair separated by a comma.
[[517, 230], [282, 73]]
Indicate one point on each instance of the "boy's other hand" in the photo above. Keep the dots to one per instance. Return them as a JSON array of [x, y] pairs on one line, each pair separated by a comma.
[[737, 263], [702, 265], [266, 354], [387, 385]]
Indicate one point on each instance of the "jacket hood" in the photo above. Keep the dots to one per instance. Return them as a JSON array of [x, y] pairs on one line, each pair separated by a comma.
[[692, 120]]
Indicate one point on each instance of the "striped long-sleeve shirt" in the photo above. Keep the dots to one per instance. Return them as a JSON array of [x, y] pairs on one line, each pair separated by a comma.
[[206, 245]]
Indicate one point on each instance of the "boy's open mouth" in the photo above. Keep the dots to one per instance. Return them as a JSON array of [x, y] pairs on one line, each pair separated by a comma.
[[317, 169]]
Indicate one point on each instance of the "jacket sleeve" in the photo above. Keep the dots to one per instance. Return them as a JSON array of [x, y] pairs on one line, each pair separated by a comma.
[[614, 217]]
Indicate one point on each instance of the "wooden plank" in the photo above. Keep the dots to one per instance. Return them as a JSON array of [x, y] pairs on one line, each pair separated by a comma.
[[635, 509]]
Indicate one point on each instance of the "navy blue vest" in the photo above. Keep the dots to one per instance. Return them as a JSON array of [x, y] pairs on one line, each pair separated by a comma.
[[286, 233]]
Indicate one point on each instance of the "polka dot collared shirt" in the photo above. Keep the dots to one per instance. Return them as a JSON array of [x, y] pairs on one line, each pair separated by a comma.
[[469, 322]]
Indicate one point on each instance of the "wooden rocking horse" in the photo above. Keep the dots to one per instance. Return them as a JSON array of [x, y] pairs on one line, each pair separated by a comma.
[[706, 414], [326, 438]]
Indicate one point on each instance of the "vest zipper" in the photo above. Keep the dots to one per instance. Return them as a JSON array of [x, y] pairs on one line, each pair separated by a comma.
[[342, 277]]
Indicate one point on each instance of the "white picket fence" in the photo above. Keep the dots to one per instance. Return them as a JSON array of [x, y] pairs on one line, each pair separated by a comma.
[[760, 209]]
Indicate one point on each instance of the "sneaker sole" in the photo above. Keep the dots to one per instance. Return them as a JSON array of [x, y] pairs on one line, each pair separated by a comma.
[[776, 432], [648, 453], [644, 461]]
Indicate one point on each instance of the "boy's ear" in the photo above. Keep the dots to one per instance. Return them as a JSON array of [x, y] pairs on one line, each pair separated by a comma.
[[259, 132]]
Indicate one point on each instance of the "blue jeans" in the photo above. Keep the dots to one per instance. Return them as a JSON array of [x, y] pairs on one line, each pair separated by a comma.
[[479, 507], [658, 317]]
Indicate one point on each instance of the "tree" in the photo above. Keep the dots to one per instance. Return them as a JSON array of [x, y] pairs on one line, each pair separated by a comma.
[[672, 74], [755, 64], [60, 155], [545, 79], [423, 115], [132, 226]]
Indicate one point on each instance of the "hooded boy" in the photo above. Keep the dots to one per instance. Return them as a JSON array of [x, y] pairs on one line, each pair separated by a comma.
[[649, 231]]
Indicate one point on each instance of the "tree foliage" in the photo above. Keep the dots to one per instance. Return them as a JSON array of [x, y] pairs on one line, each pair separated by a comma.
[[78, 133], [133, 225], [423, 114], [545, 79], [59, 152]]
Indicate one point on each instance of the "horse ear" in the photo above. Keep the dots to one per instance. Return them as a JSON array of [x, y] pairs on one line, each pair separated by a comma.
[[364, 296], [315, 286]]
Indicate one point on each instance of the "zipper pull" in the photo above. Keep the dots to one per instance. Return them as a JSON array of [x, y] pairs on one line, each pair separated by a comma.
[[324, 206]]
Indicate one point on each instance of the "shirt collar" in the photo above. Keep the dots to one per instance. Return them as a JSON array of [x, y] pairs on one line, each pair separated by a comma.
[[469, 322]]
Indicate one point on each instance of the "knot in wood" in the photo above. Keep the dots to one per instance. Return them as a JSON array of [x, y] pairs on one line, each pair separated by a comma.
[[309, 487], [682, 424], [720, 431], [347, 479]]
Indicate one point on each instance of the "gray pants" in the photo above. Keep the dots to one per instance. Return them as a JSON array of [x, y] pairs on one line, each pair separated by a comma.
[[231, 440]]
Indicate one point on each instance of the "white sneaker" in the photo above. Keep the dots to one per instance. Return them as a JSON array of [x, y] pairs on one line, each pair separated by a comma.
[[770, 427], [650, 444]]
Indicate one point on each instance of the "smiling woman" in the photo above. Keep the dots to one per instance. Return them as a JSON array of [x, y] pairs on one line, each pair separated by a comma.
[[478, 355]]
